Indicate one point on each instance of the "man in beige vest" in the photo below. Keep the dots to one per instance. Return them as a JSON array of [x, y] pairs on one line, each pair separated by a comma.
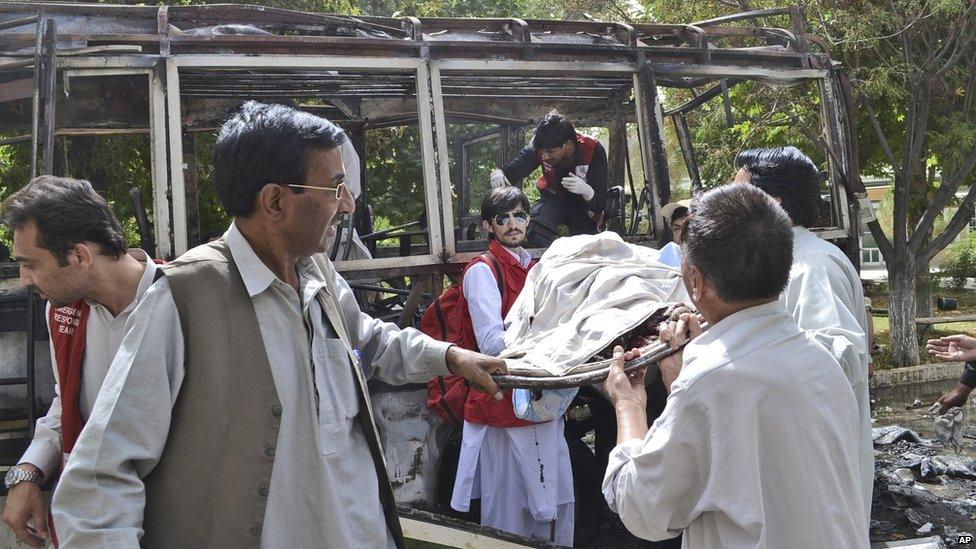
[[236, 412]]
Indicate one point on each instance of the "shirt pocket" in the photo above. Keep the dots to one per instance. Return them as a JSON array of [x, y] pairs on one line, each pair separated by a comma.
[[338, 400]]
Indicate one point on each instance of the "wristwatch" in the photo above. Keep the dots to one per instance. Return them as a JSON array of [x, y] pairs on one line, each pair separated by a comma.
[[18, 474]]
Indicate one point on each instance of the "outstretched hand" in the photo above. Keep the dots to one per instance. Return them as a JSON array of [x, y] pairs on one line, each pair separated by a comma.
[[956, 348], [477, 369]]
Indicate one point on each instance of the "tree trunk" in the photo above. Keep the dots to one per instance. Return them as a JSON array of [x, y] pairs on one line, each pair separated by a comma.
[[901, 313]]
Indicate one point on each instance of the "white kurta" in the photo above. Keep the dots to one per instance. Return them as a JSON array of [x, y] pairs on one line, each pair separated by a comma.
[[103, 335], [522, 474], [751, 450], [826, 298]]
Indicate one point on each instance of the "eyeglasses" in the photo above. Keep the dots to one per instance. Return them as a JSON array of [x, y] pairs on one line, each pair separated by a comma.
[[337, 189], [520, 217]]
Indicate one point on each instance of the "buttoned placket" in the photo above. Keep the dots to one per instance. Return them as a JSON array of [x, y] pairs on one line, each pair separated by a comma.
[[309, 287]]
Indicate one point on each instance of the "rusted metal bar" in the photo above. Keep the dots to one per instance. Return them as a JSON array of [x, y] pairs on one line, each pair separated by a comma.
[[4, 25], [420, 285], [687, 151], [192, 189], [162, 28], [755, 14], [15, 139], [50, 99], [36, 99], [655, 159], [701, 98], [16, 89], [11, 65], [142, 220]]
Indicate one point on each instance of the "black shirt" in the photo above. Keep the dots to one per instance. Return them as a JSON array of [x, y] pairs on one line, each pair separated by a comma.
[[596, 176]]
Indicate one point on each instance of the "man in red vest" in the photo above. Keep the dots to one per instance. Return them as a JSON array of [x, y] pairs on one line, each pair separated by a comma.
[[519, 469], [573, 184], [71, 251]]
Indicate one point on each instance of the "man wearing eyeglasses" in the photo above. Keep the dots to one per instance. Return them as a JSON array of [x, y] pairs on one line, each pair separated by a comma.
[[236, 412], [502, 455]]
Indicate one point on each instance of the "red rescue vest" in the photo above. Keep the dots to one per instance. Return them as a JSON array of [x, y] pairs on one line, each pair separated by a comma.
[[480, 407], [585, 146], [67, 326]]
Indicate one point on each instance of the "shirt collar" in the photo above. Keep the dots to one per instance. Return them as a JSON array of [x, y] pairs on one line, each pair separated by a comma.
[[256, 275], [148, 276], [522, 255], [735, 331], [146, 280]]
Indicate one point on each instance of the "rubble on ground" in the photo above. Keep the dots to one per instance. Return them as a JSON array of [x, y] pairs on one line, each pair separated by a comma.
[[922, 487]]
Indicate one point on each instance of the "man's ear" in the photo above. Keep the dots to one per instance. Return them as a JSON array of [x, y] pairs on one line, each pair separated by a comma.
[[270, 201], [83, 254], [486, 225], [699, 287]]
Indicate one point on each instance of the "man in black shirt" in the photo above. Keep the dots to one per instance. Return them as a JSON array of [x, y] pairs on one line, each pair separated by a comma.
[[573, 184]]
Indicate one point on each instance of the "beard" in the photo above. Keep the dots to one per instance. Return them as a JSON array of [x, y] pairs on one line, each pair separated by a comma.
[[520, 236]]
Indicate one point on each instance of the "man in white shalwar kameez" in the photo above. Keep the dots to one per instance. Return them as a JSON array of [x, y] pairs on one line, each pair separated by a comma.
[[520, 470], [757, 446], [824, 293]]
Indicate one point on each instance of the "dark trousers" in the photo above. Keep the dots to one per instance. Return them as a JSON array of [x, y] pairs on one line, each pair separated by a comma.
[[551, 211]]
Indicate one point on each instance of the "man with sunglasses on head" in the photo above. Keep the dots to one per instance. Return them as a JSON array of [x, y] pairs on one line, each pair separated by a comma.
[[501, 455], [573, 183], [236, 412]]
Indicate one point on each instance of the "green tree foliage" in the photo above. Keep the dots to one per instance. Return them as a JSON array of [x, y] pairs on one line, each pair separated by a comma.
[[912, 69], [959, 262]]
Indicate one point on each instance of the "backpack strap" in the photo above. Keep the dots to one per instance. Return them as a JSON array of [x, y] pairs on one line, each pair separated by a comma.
[[488, 257]]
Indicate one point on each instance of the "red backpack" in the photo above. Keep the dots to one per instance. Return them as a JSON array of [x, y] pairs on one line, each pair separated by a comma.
[[446, 395]]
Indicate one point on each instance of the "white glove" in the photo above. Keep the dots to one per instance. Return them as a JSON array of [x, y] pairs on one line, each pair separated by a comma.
[[498, 178], [576, 185]]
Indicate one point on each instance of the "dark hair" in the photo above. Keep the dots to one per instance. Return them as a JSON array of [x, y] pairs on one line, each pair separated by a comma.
[[678, 213], [66, 211], [741, 241], [787, 174], [553, 130], [261, 144], [502, 199]]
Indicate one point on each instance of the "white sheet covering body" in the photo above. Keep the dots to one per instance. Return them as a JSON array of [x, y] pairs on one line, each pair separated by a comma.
[[826, 298], [751, 451], [585, 292]]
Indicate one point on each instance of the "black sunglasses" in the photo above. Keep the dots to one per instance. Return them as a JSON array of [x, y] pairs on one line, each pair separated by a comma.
[[502, 219]]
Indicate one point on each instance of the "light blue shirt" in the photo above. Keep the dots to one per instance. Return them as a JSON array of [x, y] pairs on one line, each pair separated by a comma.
[[671, 255]]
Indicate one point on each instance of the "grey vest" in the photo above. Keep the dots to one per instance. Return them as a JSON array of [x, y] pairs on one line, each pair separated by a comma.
[[210, 487]]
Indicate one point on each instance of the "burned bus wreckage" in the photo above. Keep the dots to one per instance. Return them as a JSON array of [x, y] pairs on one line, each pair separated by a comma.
[[466, 89]]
